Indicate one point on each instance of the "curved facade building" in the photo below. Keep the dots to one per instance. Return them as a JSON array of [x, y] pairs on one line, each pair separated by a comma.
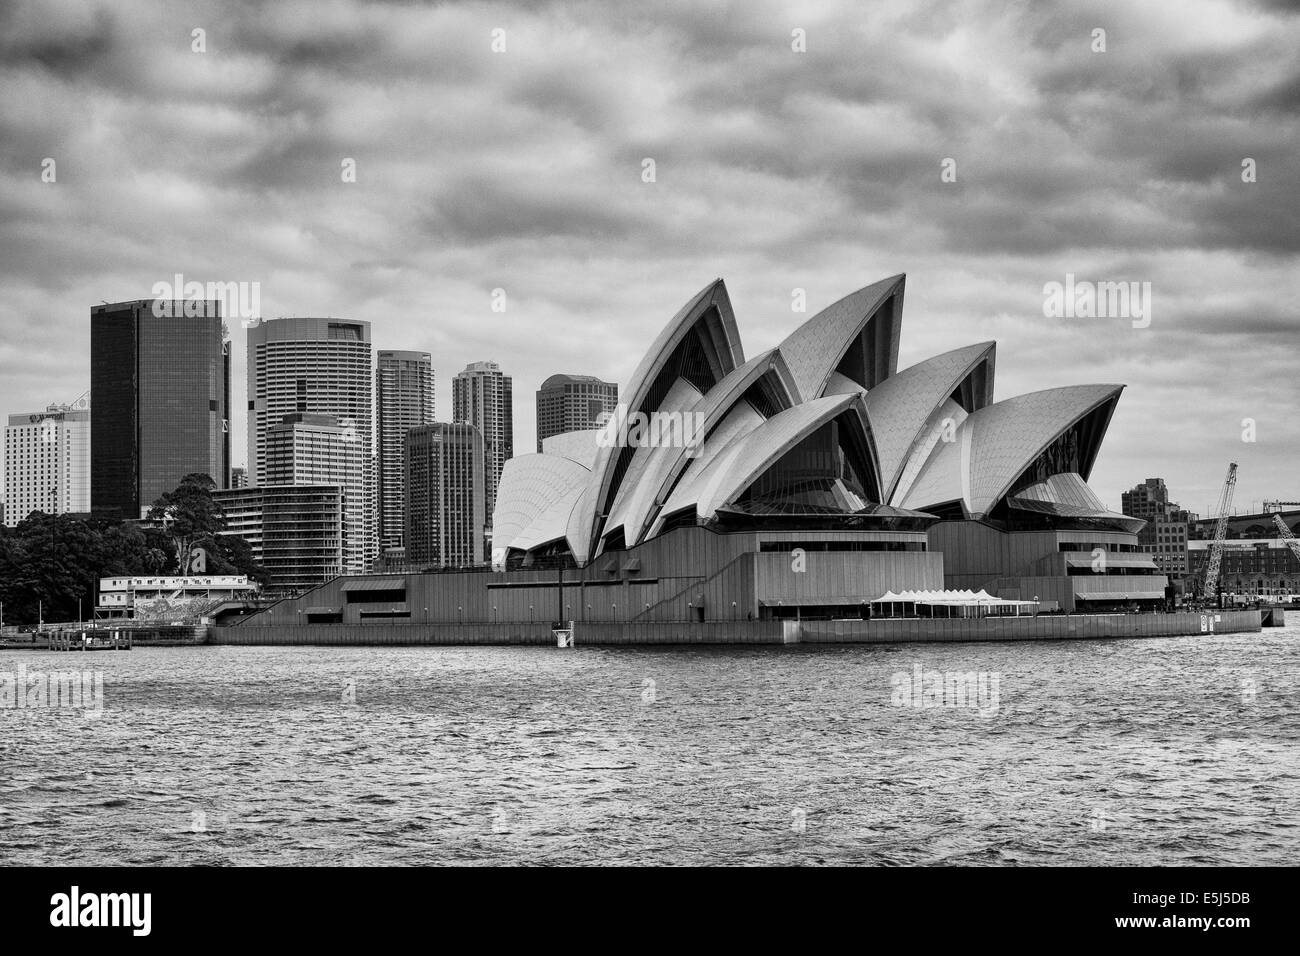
[[804, 481], [823, 433]]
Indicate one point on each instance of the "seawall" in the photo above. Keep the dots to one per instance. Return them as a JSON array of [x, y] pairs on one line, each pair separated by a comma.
[[1045, 627]]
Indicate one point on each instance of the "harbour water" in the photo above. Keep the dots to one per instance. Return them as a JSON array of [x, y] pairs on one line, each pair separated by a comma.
[[1168, 751]]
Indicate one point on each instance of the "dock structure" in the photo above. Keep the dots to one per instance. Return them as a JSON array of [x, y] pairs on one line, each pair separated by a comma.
[[90, 641]]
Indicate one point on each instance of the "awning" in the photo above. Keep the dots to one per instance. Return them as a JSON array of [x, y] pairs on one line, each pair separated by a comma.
[[964, 598], [376, 584], [1119, 595], [1112, 560]]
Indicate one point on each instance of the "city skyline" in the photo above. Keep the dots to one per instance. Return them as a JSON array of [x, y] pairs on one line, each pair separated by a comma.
[[904, 471], [523, 171], [1240, 505]]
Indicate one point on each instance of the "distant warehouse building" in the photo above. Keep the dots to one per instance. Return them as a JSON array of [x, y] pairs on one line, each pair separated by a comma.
[[806, 481], [1253, 569]]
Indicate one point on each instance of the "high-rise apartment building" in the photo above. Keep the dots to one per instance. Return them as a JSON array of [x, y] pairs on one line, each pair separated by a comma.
[[319, 366], [445, 485], [482, 396], [404, 400], [47, 462], [570, 403], [309, 449], [295, 532], [160, 390]]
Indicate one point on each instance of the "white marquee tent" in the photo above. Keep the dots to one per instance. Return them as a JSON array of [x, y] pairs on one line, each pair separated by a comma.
[[965, 603]]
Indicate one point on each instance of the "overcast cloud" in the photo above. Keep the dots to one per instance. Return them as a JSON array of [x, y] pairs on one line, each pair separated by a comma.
[[776, 170]]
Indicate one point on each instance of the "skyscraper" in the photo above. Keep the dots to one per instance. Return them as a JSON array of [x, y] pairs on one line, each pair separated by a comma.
[[309, 449], [295, 532], [445, 484], [160, 390], [314, 365], [47, 462], [482, 396], [570, 403], [404, 399]]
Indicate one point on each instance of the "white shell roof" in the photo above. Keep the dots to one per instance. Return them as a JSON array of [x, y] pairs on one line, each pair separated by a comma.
[[901, 405], [682, 397], [530, 486], [562, 493], [552, 524], [667, 464], [740, 421], [579, 446], [998, 442], [944, 420], [1008, 436], [815, 348], [724, 336], [736, 467]]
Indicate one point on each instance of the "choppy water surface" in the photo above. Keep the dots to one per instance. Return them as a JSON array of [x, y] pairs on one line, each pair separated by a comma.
[[1178, 751]]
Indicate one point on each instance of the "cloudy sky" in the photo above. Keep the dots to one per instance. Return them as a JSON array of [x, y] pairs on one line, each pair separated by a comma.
[[778, 170]]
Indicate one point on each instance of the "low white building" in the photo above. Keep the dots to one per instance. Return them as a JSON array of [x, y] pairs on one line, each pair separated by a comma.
[[169, 598]]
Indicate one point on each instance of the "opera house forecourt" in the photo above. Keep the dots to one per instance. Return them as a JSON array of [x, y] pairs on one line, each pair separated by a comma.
[[793, 495]]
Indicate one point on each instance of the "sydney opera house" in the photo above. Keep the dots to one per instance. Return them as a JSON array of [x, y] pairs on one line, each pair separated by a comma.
[[804, 481]]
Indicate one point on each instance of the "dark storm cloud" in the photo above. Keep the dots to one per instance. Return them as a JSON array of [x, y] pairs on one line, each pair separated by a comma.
[[779, 170], [26, 41]]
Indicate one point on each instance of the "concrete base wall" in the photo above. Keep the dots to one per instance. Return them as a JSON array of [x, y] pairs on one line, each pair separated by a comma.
[[377, 635], [1042, 628], [374, 635], [1046, 627]]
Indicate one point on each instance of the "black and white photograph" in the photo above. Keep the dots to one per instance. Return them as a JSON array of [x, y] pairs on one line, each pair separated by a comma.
[[572, 435]]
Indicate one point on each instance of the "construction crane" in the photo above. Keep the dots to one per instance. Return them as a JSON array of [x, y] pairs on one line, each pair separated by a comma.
[[1220, 532], [1287, 536]]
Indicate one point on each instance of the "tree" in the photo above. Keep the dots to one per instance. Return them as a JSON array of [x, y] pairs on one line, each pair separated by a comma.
[[236, 555], [50, 562], [189, 515]]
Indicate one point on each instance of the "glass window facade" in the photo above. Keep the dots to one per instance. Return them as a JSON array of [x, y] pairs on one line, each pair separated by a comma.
[[160, 390]]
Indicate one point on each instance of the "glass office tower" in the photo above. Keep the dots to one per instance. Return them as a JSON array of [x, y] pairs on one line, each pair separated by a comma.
[[160, 395]]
